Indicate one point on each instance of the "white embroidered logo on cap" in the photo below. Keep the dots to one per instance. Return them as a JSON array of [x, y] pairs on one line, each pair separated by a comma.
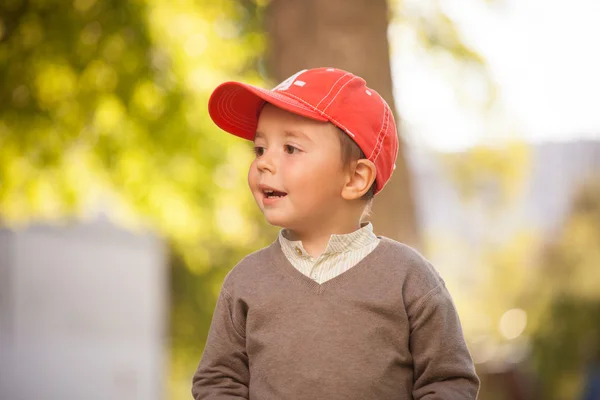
[[285, 85]]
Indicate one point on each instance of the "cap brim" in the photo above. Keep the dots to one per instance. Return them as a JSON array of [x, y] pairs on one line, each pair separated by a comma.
[[235, 107]]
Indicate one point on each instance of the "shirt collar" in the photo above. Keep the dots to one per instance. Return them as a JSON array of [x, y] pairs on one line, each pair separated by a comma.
[[361, 237]]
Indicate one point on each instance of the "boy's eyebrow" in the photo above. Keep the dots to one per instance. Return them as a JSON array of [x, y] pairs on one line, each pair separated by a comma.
[[297, 134]]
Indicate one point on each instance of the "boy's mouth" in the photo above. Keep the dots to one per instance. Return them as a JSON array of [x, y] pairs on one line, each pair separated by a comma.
[[271, 194]]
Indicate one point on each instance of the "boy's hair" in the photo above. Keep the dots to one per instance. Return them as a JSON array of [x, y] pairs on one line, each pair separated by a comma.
[[350, 153]]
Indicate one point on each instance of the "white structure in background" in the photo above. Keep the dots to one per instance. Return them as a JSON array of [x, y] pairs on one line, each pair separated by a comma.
[[82, 314], [558, 171]]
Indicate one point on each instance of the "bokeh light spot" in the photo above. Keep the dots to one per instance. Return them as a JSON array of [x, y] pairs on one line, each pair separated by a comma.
[[513, 323]]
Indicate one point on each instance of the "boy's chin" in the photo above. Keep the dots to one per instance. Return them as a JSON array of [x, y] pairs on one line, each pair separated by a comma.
[[278, 221]]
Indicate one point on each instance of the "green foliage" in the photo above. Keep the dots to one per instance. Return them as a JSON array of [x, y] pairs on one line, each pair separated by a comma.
[[110, 97], [103, 104], [498, 171], [567, 334], [553, 282]]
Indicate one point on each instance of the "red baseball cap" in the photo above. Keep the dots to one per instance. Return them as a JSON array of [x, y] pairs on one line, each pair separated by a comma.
[[322, 94]]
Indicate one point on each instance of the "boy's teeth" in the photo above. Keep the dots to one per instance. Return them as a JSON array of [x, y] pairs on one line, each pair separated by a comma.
[[273, 193]]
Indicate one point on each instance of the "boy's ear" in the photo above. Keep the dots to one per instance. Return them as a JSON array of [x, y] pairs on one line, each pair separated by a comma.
[[360, 179]]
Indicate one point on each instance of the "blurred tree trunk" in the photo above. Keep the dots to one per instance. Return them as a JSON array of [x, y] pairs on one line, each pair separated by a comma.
[[351, 35]]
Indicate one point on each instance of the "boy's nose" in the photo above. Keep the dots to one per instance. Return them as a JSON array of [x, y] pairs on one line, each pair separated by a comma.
[[266, 162]]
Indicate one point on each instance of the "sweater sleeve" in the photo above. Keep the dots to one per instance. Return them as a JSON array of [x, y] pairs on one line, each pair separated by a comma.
[[443, 368], [223, 371]]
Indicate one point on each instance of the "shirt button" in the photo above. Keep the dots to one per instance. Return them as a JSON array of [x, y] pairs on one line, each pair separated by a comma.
[[298, 251]]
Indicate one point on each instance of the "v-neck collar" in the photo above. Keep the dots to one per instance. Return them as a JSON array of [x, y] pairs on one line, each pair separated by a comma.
[[363, 236], [281, 260]]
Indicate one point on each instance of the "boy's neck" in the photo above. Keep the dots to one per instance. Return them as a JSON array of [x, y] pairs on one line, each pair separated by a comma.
[[315, 241]]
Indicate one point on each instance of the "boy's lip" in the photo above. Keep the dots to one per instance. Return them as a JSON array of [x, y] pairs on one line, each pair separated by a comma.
[[270, 194], [266, 188]]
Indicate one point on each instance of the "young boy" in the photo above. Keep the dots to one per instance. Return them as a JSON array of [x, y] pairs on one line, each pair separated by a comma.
[[329, 310]]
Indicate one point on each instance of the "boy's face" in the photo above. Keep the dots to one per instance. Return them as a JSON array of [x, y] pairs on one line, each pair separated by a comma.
[[297, 176]]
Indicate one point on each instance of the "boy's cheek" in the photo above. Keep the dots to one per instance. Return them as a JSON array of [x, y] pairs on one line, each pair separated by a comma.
[[253, 184], [252, 175]]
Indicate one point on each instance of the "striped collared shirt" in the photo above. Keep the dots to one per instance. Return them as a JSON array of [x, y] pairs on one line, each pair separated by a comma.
[[342, 253]]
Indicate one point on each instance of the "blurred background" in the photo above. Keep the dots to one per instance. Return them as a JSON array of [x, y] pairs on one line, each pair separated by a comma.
[[122, 207]]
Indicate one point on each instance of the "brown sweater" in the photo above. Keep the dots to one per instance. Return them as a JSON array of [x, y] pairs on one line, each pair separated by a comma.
[[384, 329]]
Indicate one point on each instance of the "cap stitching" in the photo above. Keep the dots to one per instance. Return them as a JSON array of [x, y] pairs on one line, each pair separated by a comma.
[[384, 133], [224, 110], [239, 120], [241, 117], [378, 134], [332, 86], [228, 101], [387, 113], [339, 91], [319, 111], [230, 113], [374, 156], [282, 98]]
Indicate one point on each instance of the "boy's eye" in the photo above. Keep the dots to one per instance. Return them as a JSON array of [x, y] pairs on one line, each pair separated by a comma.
[[259, 151], [290, 149]]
